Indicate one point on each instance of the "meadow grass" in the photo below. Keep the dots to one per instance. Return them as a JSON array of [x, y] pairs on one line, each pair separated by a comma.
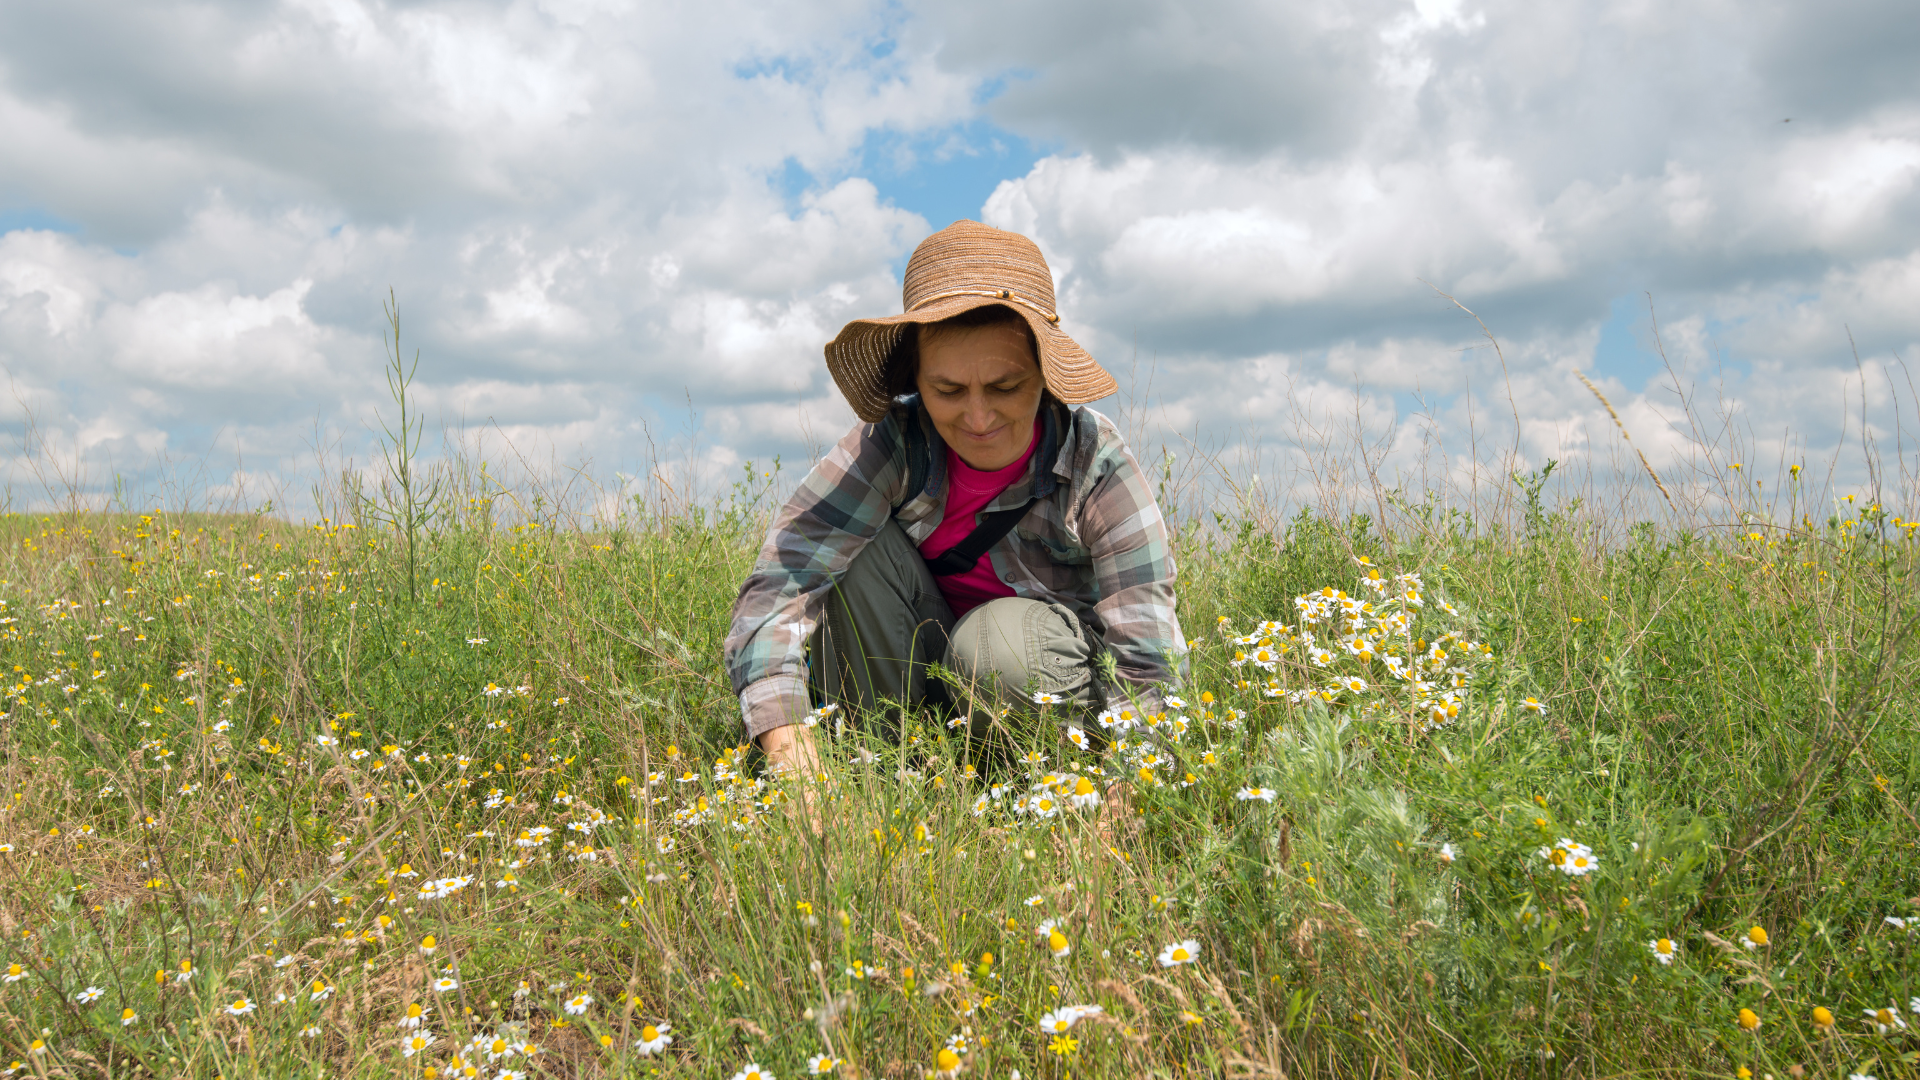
[[264, 815]]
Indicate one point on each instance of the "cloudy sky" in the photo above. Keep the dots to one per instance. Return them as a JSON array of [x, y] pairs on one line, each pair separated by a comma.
[[622, 224]]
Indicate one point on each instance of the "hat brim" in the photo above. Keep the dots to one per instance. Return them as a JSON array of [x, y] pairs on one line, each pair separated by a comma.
[[857, 356]]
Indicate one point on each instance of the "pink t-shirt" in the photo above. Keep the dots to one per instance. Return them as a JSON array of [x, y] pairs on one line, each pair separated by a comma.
[[969, 491]]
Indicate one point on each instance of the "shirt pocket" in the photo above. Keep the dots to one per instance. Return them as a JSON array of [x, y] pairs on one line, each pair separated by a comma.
[[1055, 549]]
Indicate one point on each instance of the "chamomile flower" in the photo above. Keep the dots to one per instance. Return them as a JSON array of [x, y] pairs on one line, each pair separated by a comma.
[[445, 983], [578, 1005], [1664, 950], [1180, 952], [1085, 795], [821, 1065], [14, 973], [1061, 1020], [1886, 1021], [320, 991], [1057, 944], [417, 1042], [653, 1039], [1043, 697], [241, 1006], [415, 1015], [1249, 794], [1755, 938], [753, 1072], [1570, 857], [1533, 706], [947, 1064], [90, 995]]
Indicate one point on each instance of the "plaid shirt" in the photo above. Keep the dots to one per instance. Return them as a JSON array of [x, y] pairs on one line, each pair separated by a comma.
[[1095, 541]]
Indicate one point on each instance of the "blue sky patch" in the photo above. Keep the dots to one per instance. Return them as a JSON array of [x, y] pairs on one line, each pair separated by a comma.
[[1625, 350], [945, 175], [942, 175], [12, 219]]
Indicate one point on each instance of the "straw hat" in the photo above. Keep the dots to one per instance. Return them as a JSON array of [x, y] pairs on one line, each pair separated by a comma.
[[964, 266]]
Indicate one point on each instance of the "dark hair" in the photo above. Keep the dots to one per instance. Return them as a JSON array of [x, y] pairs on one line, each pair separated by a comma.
[[903, 362]]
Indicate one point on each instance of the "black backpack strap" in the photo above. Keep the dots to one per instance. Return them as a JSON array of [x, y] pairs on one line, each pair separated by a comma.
[[962, 556]]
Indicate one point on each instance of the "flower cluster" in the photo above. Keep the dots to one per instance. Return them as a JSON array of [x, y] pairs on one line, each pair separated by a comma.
[[1365, 653], [1570, 858]]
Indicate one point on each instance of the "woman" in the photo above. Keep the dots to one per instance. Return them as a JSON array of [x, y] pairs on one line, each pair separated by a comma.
[[973, 518]]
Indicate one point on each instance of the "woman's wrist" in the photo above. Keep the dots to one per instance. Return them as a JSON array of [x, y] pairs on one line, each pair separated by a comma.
[[791, 748]]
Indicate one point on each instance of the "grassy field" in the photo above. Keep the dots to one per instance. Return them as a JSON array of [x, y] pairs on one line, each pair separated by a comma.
[[291, 801]]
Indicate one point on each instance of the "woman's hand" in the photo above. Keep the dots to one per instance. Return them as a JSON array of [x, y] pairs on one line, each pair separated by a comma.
[[791, 749], [792, 754]]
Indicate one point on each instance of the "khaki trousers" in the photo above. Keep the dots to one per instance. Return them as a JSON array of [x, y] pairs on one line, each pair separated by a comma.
[[886, 624]]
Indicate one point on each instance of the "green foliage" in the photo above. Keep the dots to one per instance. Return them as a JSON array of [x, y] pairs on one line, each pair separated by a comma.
[[248, 747], [409, 502]]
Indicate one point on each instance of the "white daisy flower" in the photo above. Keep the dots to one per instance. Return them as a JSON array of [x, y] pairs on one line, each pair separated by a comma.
[[1060, 1020], [1886, 1021], [1180, 952], [653, 1039]]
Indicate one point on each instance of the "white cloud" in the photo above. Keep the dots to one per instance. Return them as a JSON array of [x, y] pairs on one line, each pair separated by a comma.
[[587, 210]]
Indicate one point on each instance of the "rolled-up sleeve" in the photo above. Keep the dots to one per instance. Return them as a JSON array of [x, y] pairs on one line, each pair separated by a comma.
[[838, 508], [1133, 567]]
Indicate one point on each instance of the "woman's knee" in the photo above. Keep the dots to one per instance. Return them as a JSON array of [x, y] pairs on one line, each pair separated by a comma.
[[1007, 649]]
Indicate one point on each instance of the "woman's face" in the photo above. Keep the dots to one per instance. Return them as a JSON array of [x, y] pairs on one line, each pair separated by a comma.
[[981, 385]]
